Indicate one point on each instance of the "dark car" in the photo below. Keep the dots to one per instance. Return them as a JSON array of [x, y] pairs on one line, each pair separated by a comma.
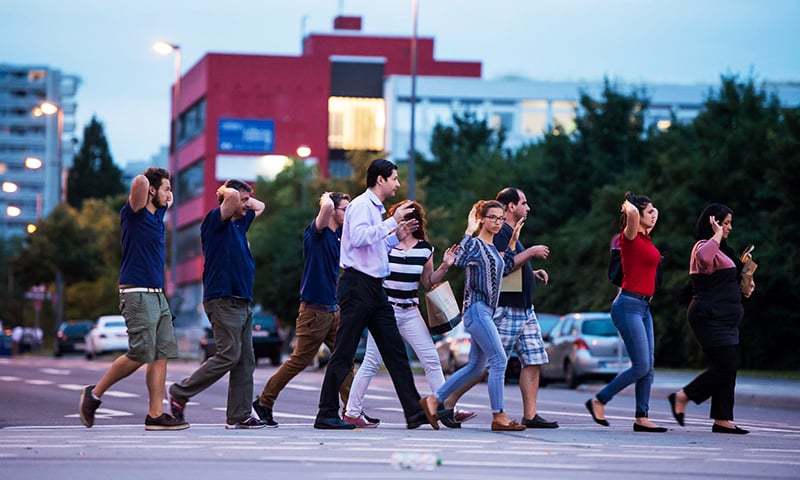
[[546, 323], [267, 339], [71, 337]]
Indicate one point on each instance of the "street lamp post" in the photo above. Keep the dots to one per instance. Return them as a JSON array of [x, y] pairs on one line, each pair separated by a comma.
[[412, 177], [165, 48]]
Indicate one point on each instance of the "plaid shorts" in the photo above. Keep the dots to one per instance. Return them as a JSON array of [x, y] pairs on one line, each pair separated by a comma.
[[519, 331]]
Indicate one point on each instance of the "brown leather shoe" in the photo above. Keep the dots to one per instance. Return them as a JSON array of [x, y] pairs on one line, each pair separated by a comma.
[[511, 426], [430, 414]]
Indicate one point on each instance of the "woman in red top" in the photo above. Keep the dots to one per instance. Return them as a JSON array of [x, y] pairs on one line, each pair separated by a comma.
[[631, 311]]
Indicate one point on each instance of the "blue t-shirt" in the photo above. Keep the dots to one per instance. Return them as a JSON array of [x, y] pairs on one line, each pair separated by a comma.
[[143, 247], [321, 267], [229, 268]]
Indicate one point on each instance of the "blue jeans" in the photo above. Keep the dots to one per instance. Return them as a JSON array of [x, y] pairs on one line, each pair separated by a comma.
[[486, 348], [632, 318]]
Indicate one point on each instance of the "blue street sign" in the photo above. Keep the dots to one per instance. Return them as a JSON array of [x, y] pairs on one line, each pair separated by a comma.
[[245, 135]]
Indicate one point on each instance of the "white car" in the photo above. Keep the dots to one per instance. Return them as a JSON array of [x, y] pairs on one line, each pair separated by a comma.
[[109, 334]]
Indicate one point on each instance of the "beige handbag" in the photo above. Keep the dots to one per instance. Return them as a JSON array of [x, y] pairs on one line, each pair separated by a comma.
[[443, 311], [746, 282]]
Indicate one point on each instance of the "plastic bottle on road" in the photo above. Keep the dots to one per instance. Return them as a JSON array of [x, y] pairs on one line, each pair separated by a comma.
[[415, 461]]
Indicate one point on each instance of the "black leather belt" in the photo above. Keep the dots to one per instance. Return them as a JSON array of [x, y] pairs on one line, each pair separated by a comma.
[[637, 296], [403, 305]]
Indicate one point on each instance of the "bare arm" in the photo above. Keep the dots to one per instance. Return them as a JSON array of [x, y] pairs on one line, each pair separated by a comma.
[[631, 220], [230, 202], [431, 277], [256, 206], [140, 193], [326, 208], [536, 251]]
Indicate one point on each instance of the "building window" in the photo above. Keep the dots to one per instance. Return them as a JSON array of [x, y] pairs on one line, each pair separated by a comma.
[[502, 119], [564, 114], [356, 123], [189, 242], [190, 182], [192, 122]]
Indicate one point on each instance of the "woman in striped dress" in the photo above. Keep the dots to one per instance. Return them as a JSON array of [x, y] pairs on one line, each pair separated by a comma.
[[485, 268], [410, 263]]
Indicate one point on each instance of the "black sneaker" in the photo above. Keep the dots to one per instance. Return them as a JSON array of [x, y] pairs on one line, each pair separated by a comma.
[[164, 421], [250, 423], [333, 423], [177, 406], [265, 414], [538, 422], [88, 406], [369, 419]]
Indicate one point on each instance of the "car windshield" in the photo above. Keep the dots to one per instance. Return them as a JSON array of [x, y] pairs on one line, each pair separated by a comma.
[[114, 324], [602, 327], [547, 322], [77, 329], [265, 321]]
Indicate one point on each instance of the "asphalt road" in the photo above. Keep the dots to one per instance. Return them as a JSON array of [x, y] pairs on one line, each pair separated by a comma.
[[41, 436]]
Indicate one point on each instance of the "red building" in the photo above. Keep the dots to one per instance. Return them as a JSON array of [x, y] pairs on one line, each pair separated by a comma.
[[246, 115]]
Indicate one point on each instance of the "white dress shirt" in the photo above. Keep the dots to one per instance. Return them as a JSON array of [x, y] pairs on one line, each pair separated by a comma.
[[366, 237]]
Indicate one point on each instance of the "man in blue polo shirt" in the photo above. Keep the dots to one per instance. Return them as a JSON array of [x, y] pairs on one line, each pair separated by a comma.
[[318, 317], [228, 275], [151, 338]]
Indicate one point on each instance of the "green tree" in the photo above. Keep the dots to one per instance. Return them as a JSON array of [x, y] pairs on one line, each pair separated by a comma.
[[93, 173]]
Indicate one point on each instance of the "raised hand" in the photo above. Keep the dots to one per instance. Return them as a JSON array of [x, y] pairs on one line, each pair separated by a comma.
[[512, 244], [542, 276], [325, 199], [450, 255], [473, 222], [402, 211], [540, 251], [715, 226]]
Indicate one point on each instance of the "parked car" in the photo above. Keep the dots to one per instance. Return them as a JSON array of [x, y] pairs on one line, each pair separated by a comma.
[[109, 334], [546, 323], [453, 348], [584, 346], [267, 339], [71, 337]]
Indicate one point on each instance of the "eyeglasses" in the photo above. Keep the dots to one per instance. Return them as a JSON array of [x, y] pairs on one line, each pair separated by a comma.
[[495, 218]]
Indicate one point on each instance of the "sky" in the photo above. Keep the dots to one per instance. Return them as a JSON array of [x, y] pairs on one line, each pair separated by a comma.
[[109, 43]]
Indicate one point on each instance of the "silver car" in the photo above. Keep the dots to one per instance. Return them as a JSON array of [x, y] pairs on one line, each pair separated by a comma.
[[584, 346]]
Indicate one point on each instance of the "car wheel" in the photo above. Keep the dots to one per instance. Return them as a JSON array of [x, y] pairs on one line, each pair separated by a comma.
[[89, 355], [274, 359], [570, 377]]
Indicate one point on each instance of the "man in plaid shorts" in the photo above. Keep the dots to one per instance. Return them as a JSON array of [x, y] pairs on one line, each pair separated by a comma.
[[515, 318]]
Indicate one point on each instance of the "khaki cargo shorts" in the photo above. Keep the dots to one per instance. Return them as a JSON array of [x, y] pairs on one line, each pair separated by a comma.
[[149, 321]]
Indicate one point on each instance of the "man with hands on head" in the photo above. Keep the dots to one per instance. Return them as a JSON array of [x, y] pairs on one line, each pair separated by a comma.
[[366, 241], [151, 338], [318, 316], [228, 275]]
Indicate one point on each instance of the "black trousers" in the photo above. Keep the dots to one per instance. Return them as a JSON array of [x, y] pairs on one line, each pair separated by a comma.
[[363, 303], [717, 382]]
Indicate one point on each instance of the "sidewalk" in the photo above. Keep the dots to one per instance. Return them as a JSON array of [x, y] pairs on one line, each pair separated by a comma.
[[754, 391]]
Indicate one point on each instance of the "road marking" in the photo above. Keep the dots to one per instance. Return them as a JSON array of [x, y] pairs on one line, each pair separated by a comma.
[[378, 397], [629, 456], [39, 382], [212, 442], [746, 460], [687, 447], [780, 450], [8, 455], [449, 440], [158, 446], [54, 371], [118, 394], [390, 409], [71, 386], [262, 447], [104, 413], [40, 445], [7, 378], [294, 415], [447, 463], [166, 402], [305, 388]]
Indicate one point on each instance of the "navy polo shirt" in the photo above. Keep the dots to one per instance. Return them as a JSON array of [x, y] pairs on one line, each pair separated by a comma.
[[521, 299], [143, 247], [229, 269], [321, 265]]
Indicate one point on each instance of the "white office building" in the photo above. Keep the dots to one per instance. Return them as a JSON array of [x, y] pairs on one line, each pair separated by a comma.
[[525, 108]]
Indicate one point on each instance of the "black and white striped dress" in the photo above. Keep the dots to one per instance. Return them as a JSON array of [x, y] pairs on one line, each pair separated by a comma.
[[405, 270]]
